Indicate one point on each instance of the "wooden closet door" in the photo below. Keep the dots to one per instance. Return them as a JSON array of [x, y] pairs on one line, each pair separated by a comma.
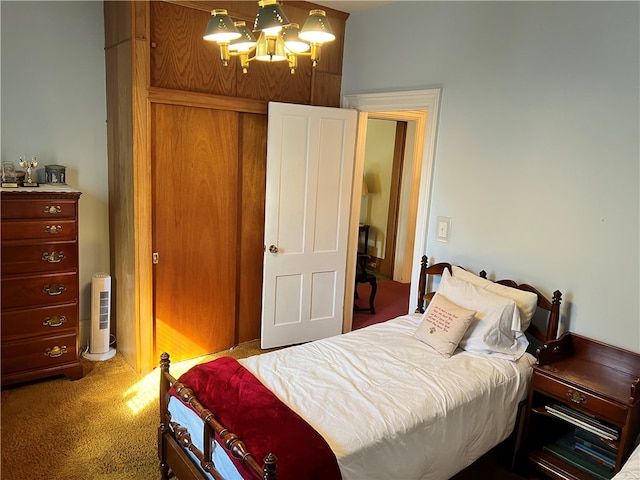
[[195, 228]]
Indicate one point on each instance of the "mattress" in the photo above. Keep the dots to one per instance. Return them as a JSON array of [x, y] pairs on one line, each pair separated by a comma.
[[388, 405]]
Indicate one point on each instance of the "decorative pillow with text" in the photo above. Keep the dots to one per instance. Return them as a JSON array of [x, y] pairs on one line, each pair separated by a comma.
[[443, 325]]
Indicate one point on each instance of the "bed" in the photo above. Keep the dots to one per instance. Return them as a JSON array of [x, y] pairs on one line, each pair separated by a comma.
[[631, 469], [413, 397]]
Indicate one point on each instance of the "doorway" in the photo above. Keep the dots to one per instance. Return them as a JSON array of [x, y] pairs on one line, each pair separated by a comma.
[[420, 110], [382, 193]]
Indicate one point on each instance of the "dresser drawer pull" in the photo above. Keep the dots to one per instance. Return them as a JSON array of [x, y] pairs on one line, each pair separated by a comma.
[[53, 257], [56, 351], [53, 229], [54, 289], [51, 209], [576, 397], [55, 321]]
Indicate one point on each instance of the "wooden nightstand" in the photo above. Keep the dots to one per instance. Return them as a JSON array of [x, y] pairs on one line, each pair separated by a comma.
[[583, 413]]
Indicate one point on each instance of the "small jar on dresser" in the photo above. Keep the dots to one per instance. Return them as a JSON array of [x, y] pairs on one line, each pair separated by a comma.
[[40, 286]]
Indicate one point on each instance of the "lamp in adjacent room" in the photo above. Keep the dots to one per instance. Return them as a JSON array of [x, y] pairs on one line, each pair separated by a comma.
[[365, 189], [278, 39]]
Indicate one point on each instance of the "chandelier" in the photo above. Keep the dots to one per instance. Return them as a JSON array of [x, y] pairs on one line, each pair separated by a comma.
[[278, 39]]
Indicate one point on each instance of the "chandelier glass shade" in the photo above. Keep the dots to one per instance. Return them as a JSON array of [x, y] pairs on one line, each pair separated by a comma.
[[278, 39]]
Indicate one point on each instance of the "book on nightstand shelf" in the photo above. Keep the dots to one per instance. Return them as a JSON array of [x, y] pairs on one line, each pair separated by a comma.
[[583, 421], [605, 460], [595, 444], [565, 449]]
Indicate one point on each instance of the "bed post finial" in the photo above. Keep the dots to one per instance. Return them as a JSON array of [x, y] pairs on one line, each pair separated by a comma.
[[554, 316], [422, 283], [164, 361], [270, 467]]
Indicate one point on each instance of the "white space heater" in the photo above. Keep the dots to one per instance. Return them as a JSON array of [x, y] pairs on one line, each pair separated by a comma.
[[100, 319]]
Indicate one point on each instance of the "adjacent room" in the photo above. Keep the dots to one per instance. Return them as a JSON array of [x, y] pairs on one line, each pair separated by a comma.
[[320, 211]]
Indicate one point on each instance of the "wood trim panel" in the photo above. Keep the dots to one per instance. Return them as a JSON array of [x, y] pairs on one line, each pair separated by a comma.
[[195, 221], [205, 100], [121, 207], [142, 187], [117, 23], [253, 178], [325, 89], [181, 60]]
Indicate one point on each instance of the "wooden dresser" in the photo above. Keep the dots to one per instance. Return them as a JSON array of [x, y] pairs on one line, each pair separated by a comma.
[[40, 285]]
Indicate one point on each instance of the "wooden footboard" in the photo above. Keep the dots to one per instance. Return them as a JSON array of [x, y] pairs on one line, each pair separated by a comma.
[[174, 440]]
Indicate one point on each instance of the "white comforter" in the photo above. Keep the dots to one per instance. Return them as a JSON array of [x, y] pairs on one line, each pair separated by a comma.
[[631, 469], [389, 406]]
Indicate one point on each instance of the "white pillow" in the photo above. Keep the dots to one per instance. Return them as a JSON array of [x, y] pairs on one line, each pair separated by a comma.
[[443, 325], [527, 302], [495, 329]]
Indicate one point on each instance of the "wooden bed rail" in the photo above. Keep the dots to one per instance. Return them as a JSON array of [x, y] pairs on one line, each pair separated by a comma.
[[230, 441]]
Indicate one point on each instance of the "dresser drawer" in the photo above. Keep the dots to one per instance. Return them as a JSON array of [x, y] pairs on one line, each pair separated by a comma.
[[34, 290], [39, 257], [49, 208], [34, 322], [581, 399], [39, 352], [39, 229]]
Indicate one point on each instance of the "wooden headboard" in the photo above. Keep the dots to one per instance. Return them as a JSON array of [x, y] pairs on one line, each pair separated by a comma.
[[551, 308]]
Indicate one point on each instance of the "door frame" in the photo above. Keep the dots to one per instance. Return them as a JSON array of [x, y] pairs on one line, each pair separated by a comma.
[[420, 109]]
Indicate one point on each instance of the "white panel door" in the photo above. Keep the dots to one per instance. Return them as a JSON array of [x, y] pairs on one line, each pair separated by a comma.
[[310, 158]]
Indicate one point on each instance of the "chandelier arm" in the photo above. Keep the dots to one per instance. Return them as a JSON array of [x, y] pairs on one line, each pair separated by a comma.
[[236, 53]]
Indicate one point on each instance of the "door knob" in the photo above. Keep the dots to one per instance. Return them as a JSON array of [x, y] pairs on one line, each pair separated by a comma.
[[273, 249]]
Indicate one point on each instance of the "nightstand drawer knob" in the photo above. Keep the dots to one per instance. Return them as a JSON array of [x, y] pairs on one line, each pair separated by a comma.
[[576, 397], [52, 209]]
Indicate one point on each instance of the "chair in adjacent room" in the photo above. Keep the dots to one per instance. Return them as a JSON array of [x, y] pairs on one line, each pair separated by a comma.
[[364, 276]]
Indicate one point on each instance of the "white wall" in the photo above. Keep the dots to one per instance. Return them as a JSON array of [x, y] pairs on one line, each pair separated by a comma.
[[537, 155], [53, 107]]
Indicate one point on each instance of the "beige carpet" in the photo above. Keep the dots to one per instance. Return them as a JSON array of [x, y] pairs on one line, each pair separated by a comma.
[[103, 426]]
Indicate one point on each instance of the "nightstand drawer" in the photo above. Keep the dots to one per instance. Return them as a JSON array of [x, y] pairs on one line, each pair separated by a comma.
[[51, 208], [580, 399]]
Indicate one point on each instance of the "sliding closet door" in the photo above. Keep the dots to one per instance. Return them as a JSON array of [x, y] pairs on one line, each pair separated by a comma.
[[195, 228]]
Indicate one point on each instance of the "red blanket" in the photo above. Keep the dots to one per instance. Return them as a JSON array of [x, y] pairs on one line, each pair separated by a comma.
[[246, 407]]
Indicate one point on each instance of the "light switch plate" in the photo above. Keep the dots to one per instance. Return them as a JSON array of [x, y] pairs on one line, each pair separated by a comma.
[[443, 230]]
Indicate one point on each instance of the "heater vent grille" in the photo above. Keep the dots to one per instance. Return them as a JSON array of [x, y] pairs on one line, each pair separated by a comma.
[[104, 310]]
